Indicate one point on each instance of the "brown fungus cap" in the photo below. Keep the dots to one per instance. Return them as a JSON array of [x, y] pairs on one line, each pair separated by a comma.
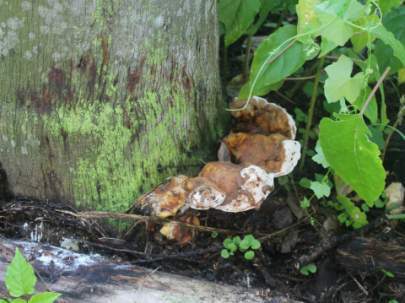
[[181, 234], [166, 199], [274, 153], [204, 194], [245, 187], [262, 117]]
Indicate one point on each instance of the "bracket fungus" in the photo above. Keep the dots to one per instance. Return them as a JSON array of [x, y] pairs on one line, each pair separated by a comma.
[[260, 116], [261, 148], [179, 233], [166, 199], [275, 153], [243, 187]]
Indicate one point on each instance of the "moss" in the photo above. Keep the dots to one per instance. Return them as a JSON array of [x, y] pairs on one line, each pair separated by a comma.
[[117, 168]]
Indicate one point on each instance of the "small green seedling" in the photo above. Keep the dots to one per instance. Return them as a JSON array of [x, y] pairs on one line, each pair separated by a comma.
[[393, 301], [20, 281], [305, 203], [247, 246], [388, 273], [308, 269]]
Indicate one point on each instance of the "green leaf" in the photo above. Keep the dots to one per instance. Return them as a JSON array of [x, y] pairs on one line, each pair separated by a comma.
[[225, 253], [44, 297], [320, 189], [307, 20], [342, 218], [392, 36], [305, 203], [266, 7], [249, 238], [333, 18], [319, 157], [245, 90], [20, 278], [387, 5], [358, 218], [299, 115], [227, 242], [237, 16], [249, 255], [305, 182], [372, 108], [379, 203], [255, 244], [18, 300], [353, 157], [274, 60], [308, 269], [232, 247], [3, 301], [401, 76], [236, 240], [388, 273], [327, 46], [361, 37], [340, 84], [244, 245]]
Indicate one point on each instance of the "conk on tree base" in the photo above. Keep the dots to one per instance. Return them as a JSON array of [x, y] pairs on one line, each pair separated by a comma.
[[261, 149]]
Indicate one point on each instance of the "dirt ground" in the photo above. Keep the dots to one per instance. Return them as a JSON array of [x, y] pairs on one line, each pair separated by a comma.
[[349, 268]]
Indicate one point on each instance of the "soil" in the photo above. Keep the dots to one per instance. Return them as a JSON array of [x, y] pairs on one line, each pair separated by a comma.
[[285, 242]]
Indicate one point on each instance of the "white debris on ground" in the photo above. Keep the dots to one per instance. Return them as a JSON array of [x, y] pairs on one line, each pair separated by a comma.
[[60, 259]]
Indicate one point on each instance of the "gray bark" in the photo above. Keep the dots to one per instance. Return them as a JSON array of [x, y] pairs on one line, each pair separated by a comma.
[[100, 100], [93, 279]]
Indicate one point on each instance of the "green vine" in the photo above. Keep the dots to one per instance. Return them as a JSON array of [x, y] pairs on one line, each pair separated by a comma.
[[345, 32]]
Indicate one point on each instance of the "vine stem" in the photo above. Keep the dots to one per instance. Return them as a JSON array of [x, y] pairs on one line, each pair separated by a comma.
[[249, 44], [300, 78], [268, 61], [394, 126], [372, 93], [311, 111]]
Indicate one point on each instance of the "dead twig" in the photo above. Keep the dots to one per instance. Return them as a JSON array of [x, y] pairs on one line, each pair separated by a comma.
[[131, 252], [182, 256], [372, 93], [361, 287], [136, 217]]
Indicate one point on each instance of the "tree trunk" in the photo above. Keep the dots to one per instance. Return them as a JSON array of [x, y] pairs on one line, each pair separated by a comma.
[[100, 100]]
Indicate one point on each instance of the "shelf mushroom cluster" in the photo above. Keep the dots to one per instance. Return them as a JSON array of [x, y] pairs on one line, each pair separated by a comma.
[[260, 148]]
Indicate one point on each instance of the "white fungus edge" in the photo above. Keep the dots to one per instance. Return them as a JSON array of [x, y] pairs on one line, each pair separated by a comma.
[[292, 154]]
